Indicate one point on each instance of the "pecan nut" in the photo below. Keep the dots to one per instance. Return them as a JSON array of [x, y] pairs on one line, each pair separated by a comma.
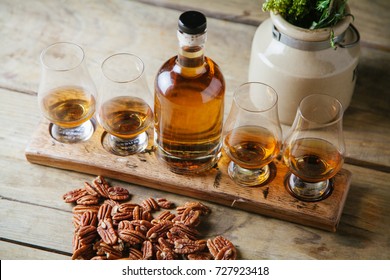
[[179, 231], [118, 217], [74, 195], [150, 205], [200, 256], [91, 189], [118, 193], [86, 234], [104, 211], [88, 218], [164, 215], [135, 254], [159, 230], [88, 199], [108, 229], [140, 214], [132, 237], [141, 225], [111, 252], [187, 246], [85, 252], [80, 209], [164, 203], [165, 250], [190, 217], [101, 186], [204, 210], [107, 232], [147, 250], [221, 248]]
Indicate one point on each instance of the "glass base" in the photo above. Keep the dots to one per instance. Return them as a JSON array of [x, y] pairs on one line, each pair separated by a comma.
[[307, 191], [189, 165], [74, 134], [125, 147], [248, 177]]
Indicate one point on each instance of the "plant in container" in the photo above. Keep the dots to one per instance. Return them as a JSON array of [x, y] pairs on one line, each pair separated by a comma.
[[306, 47]]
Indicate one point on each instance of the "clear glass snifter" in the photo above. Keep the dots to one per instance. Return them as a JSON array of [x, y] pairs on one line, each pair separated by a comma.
[[314, 149], [252, 134], [67, 95], [125, 104]]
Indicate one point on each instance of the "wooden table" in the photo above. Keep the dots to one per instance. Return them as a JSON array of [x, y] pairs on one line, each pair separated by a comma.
[[35, 223]]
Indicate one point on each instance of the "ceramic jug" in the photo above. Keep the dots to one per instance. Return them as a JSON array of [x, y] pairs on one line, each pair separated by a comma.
[[298, 62]]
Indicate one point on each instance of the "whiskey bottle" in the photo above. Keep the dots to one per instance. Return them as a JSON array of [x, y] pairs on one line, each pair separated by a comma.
[[189, 102]]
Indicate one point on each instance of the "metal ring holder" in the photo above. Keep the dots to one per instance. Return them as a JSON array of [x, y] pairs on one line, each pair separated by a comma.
[[319, 45]]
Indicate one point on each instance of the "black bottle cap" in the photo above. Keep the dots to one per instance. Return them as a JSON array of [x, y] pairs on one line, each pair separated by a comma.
[[192, 22]]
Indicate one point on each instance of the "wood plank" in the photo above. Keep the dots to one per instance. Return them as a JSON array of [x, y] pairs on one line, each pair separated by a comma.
[[31, 224], [20, 69], [373, 22], [371, 91], [11, 251], [103, 28], [370, 17], [240, 11], [363, 230], [144, 169]]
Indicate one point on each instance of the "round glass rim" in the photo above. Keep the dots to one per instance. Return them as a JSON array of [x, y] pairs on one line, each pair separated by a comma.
[[256, 111], [62, 43], [337, 118], [141, 71]]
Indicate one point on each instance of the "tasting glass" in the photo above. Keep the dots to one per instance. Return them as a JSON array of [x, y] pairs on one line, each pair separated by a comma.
[[252, 133], [67, 95], [314, 148], [125, 104]]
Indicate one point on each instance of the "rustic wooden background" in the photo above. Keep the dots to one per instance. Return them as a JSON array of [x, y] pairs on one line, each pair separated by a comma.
[[36, 224]]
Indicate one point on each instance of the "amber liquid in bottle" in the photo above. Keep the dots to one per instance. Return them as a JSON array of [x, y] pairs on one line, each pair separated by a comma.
[[189, 102]]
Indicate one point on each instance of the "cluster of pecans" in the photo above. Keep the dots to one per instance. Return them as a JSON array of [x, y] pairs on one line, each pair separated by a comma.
[[108, 226]]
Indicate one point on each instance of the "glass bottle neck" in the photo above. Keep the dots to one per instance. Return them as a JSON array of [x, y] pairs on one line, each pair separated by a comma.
[[191, 49]]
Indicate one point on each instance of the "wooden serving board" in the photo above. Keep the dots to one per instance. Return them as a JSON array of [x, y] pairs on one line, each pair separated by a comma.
[[271, 199]]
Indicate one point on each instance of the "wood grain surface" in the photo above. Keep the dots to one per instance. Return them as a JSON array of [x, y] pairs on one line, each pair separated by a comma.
[[33, 212], [270, 199]]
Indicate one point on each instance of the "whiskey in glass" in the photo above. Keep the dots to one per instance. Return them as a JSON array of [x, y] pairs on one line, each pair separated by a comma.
[[252, 134], [125, 108], [67, 95], [314, 148]]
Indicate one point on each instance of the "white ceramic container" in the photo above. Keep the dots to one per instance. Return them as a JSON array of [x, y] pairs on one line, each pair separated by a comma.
[[298, 62]]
